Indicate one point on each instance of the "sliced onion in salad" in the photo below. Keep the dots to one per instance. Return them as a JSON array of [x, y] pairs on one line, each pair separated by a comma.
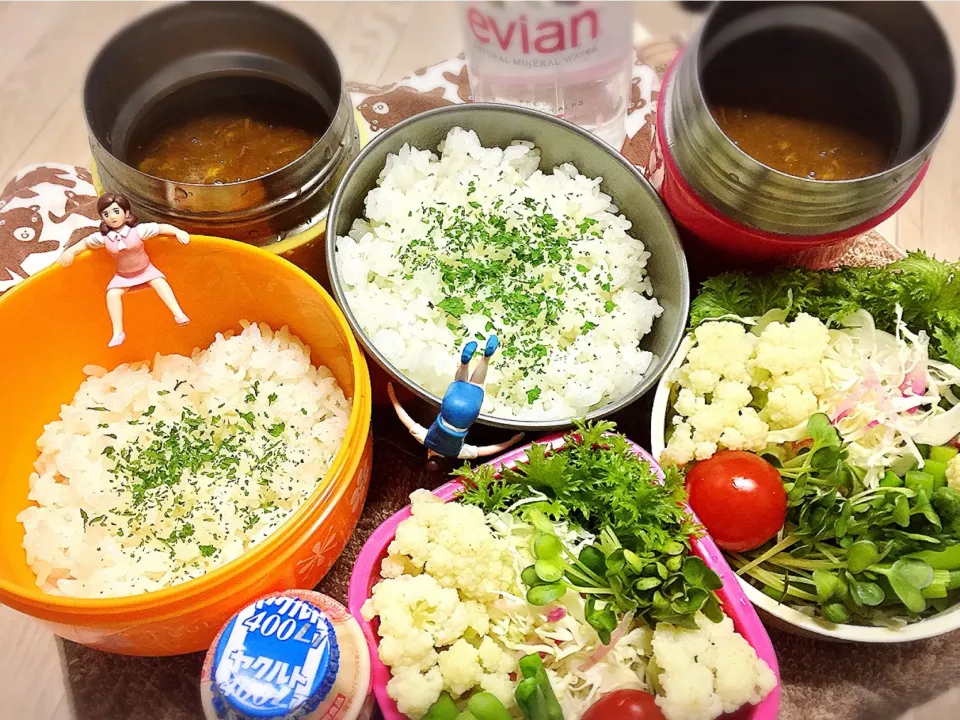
[[615, 636]]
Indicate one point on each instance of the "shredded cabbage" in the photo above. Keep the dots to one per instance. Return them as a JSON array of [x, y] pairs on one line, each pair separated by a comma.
[[567, 643], [885, 395]]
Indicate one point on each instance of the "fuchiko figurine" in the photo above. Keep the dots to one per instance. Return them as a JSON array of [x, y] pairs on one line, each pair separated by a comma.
[[458, 411], [122, 235]]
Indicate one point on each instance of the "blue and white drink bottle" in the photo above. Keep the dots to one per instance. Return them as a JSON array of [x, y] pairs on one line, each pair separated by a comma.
[[296, 654]]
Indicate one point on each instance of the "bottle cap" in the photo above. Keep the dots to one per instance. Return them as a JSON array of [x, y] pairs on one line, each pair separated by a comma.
[[277, 658]]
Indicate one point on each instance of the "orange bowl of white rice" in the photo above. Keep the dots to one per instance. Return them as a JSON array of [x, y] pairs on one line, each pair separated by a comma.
[[149, 491]]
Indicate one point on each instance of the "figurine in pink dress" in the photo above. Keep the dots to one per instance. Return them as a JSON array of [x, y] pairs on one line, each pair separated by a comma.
[[123, 237]]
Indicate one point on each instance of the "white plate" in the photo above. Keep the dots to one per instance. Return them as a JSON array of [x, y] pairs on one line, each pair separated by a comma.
[[776, 613]]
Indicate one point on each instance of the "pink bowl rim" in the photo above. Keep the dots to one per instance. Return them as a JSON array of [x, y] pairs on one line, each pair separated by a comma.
[[734, 602]]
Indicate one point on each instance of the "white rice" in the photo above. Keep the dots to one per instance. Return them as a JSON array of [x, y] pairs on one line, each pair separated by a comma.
[[551, 244], [114, 515]]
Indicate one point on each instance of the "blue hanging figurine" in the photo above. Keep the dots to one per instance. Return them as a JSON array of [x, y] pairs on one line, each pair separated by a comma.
[[459, 409]]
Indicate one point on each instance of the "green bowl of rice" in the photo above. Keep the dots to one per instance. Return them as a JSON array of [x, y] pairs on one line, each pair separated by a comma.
[[479, 219]]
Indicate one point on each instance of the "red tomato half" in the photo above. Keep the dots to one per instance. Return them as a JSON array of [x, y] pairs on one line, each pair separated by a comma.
[[624, 705], [739, 498]]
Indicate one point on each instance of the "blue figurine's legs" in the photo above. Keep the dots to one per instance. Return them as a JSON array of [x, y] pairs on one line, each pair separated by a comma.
[[480, 371], [465, 357]]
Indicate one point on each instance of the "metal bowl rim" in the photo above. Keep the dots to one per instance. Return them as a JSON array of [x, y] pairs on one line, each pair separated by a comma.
[[657, 366], [145, 20], [924, 151]]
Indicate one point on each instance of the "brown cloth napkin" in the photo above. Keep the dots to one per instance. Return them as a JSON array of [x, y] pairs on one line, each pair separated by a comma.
[[821, 681]]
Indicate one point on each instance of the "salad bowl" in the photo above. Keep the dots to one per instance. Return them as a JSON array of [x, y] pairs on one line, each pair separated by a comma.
[[774, 612], [366, 574]]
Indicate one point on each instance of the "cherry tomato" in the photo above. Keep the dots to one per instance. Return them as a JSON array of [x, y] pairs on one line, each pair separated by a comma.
[[624, 705], [739, 498]]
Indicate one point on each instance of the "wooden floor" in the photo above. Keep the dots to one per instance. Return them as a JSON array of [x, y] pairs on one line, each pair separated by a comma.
[[44, 52]]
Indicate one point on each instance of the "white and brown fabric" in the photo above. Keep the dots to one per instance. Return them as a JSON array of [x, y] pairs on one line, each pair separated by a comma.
[[43, 209]]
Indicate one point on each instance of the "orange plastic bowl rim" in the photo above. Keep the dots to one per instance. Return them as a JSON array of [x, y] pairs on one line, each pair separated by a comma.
[[55, 323]]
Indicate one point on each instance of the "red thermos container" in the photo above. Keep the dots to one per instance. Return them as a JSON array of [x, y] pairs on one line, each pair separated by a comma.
[[738, 206]]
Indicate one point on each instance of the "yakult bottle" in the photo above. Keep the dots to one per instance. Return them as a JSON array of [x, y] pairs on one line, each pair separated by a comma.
[[571, 59], [290, 655]]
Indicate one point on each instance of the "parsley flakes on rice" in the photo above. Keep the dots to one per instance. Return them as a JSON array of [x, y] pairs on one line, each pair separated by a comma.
[[154, 476], [480, 241]]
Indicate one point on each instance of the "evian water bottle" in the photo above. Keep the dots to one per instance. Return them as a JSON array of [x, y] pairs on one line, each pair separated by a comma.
[[571, 59]]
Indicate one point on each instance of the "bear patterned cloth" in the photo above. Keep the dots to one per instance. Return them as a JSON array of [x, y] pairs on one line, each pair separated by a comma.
[[447, 83], [43, 209]]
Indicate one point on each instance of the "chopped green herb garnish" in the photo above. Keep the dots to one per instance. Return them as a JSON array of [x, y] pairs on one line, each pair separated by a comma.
[[452, 306], [516, 266], [532, 395]]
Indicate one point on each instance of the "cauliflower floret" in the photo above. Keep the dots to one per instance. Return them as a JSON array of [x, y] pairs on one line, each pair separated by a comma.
[[689, 695], [460, 668], [699, 380], [687, 403], [413, 691], [718, 365], [785, 349], [741, 677], [788, 406], [708, 671], [953, 472], [681, 449], [454, 544], [412, 540], [721, 352], [395, 566], [494, 659], [732, 439], [502, 687], [412, 649], [705, 450], [736, 394], [812, 379], [416, 614], [753, 431], [709, 423]]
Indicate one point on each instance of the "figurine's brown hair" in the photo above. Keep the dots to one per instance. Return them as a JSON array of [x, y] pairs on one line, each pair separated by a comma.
[[108, 199]]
